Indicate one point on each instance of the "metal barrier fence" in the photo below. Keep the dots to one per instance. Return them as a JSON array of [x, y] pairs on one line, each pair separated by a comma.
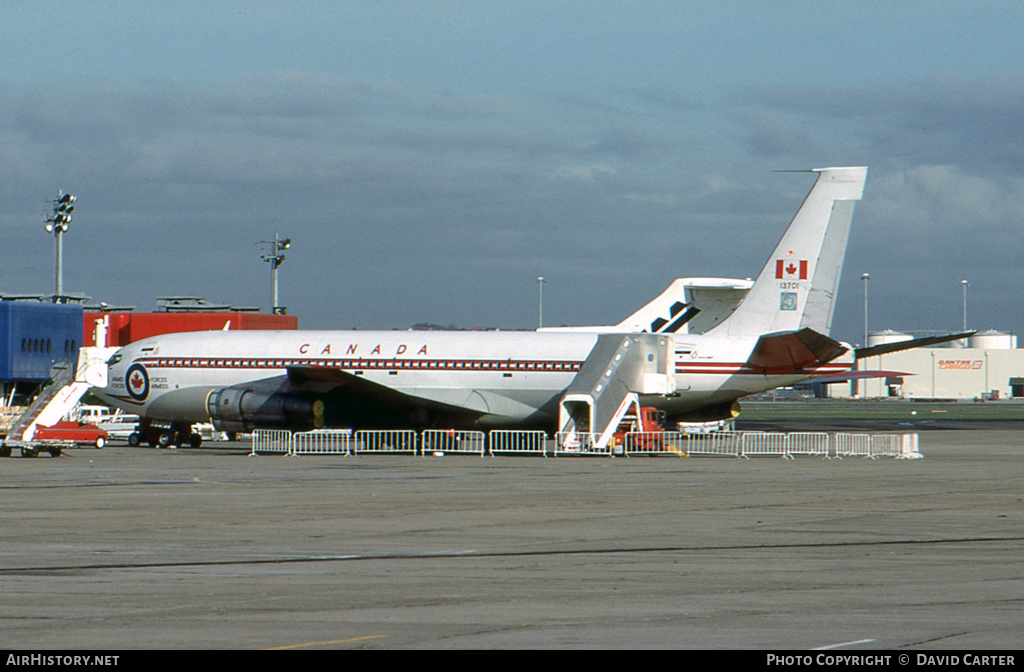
[[757, 444], [886, 445], [725, 444], [807, 443], [668, 444], [322, 442], [277, 441], [512, 441], [852, 445], [452, 441], [578, 443], [658, 443], [385, 441], [910, 448]]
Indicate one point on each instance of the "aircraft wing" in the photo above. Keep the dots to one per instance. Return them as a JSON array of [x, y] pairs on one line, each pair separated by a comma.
[[310, 397], [354, 391], [791, 351]]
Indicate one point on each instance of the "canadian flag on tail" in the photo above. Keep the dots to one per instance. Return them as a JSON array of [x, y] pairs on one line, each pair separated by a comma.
[[790, 270]]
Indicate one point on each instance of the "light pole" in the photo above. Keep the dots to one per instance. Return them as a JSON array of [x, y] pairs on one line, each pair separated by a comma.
[[540, 302], [964, 284], [275, 259], [865, 277], [863, 387], [57, 223]]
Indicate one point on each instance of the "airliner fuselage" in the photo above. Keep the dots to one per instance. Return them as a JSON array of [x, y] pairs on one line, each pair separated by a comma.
[[500, 378]]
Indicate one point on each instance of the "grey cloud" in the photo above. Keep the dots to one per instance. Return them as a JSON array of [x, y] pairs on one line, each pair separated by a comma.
[[972, 122]]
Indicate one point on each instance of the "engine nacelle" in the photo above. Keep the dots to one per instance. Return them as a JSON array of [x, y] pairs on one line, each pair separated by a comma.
[[238, 409]]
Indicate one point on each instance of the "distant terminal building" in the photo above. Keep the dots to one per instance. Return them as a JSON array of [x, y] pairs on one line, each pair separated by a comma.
[[987, 366], [175, 314], [34, 336], [36, 332]]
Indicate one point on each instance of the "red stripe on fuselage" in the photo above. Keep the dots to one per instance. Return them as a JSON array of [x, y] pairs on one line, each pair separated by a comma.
[[360, 364]]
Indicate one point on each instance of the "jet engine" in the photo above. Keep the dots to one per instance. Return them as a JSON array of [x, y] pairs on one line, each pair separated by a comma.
[[242, 409]]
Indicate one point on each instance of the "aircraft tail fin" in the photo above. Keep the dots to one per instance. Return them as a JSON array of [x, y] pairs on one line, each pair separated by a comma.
[[797, 287]]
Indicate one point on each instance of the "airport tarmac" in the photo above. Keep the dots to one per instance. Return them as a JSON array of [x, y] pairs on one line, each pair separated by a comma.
[[139, 548]]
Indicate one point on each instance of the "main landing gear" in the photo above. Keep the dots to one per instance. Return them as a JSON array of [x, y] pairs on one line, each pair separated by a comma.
[[165, 435]]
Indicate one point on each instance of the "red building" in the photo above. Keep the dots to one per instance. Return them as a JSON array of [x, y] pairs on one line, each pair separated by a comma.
[[124, 327]]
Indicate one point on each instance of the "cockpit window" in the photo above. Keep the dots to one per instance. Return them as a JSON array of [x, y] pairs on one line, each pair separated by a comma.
[[114, 359]]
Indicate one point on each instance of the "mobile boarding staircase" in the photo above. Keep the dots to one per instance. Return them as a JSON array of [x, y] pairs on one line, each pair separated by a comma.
[[68, 384], [607, 389]]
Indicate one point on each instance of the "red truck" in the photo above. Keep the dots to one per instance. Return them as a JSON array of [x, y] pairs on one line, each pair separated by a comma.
[[72, 431], [648, 425]]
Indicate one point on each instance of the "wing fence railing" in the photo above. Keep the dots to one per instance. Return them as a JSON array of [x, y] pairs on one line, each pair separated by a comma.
[[452, 441], [517, 442], [271, 441], [385, 441], [322, 442]]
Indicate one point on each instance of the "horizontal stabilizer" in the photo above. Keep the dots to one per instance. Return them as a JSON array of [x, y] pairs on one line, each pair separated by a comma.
[[859, 375], [786, 352], [886, 348]]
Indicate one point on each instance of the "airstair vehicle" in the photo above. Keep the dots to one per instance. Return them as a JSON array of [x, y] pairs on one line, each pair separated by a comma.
[[68, 383], [619, 369]]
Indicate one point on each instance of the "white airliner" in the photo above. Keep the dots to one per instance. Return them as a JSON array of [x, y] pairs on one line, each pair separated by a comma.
[[579, 379]]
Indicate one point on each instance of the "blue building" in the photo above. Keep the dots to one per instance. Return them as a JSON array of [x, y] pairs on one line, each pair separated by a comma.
[[33, 336]]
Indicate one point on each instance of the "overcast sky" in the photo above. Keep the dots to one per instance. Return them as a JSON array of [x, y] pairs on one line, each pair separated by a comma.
[[430, 160]]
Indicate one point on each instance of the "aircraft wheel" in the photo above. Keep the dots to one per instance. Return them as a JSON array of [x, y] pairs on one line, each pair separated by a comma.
[[195, 440], [100, 442], [134, 440]]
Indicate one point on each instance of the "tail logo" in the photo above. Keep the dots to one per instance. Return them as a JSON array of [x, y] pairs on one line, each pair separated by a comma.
[[790, 271], [673, 324], [137, 382]]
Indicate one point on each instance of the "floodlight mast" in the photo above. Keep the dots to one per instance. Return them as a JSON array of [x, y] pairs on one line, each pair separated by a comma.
[[540, 302], [275, 259], [57, 223]]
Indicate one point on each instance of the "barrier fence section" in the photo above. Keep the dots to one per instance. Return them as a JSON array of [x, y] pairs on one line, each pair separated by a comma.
[[807, 443], [724, 444], [886, 445], [271, 441], [757, 444], [512, 441], [579, 443], [657, 443], [322, 442], [669, 444], [385, 441], [910, 448], [857, 445], [452, 441]]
